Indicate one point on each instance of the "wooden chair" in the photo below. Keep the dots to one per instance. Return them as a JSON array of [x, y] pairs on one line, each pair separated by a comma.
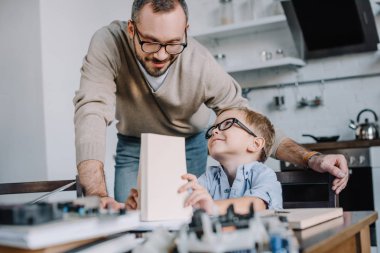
[[41, 186], [307, 189]]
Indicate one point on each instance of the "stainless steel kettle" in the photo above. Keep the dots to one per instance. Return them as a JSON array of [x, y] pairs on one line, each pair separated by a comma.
[[367, 130]]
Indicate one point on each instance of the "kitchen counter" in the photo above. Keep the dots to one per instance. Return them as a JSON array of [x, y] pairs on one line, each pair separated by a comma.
[[342, 144]]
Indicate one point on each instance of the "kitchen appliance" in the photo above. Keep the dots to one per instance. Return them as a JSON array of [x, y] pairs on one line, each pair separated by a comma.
[[363, 189], [367, 130], [323, 28], [323, 138]]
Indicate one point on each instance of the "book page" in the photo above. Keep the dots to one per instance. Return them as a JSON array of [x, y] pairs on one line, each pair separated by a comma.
[[162, 163]]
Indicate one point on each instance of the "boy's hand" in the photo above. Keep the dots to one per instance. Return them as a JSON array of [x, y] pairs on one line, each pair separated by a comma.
[[199, 198], [132, 200]]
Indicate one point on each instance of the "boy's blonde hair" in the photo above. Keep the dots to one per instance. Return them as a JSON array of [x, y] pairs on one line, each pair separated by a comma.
[[261, 126]]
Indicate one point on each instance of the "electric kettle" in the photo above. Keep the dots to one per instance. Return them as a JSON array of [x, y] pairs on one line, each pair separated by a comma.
[[367, 130]]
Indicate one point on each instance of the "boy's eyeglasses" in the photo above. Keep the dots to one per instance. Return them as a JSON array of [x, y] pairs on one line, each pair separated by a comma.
[[226, 124]]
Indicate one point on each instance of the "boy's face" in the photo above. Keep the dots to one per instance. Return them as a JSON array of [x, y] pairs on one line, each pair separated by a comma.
[[233, 141]]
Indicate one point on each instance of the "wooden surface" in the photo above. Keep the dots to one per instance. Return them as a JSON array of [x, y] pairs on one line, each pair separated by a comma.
[[349, 235], [53, 249], [346, 234], [342, 144], [40, 186]]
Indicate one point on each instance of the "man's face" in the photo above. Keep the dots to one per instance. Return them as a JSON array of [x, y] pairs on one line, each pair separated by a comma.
[[162, 27]]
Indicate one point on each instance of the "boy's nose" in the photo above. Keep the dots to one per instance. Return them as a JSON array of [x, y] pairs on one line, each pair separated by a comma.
[[215, 131]]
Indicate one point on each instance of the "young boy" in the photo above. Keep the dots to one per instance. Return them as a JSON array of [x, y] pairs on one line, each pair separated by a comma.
[[240, 141]]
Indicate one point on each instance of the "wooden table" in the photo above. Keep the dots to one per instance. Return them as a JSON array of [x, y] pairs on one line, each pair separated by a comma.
[[346, 234]]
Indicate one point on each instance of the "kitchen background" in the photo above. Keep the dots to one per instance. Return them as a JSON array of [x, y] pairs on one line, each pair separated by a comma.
[[43, 43]]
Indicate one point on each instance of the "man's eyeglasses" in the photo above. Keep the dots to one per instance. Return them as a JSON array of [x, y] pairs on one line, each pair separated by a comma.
[[153, 47], [226, 124]]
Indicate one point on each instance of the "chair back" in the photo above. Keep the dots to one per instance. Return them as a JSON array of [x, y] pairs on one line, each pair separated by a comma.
[[307, 189]]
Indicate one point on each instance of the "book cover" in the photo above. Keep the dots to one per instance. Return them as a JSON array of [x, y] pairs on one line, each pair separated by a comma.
[[306, 217], [162, 163]]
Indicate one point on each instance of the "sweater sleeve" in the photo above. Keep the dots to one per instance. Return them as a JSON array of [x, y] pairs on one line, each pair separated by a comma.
[[95, 100]]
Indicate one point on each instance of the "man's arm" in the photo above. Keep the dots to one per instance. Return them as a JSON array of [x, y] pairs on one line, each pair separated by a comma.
[[92, 180], [94, 111], [91, 177], [336, 165]]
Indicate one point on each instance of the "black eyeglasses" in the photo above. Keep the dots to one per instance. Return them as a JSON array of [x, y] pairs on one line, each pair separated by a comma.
[[226, 124], [153, 47]]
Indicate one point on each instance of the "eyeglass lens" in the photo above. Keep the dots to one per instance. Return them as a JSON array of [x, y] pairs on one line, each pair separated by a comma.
[[154, 47], [224, 125], [151, 47]]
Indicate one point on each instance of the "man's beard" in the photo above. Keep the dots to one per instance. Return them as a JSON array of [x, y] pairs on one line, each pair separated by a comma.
[[156, 72]]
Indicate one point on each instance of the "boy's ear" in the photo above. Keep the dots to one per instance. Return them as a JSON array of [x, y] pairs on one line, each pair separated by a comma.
[[257, 144]]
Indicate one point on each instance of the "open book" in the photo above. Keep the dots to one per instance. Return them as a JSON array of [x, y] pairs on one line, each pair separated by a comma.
[[162, 163]]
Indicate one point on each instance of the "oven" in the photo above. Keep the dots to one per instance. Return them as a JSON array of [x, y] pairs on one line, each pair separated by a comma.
[[375, 164], [363, 189]]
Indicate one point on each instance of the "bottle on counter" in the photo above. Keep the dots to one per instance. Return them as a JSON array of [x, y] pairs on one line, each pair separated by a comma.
[[226, 12]]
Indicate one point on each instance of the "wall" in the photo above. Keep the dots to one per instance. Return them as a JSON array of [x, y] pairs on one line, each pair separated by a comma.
[[67, 27], [22, 131], [42, 46]]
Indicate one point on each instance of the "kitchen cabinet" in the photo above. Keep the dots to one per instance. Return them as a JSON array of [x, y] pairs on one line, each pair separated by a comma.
[[256, 25], [268, 64], [216, 34]]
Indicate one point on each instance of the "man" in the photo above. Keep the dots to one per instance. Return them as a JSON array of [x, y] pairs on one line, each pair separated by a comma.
[[159, 81]]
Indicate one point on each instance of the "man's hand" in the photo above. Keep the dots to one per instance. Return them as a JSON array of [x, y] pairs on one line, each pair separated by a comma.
[[199, 198], [108, 202], [336, 165], [132, 200]]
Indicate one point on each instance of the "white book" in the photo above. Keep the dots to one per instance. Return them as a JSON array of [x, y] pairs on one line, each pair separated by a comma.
[[162, 163], [301, 218], [70, 229]]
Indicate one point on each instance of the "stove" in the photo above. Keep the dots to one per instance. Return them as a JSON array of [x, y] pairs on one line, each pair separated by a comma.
[[363, 189]]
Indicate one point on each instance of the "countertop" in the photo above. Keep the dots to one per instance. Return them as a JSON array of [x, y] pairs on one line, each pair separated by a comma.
[[342, 144]]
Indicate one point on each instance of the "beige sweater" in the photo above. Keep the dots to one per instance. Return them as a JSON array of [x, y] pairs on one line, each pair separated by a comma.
[[112, 85]]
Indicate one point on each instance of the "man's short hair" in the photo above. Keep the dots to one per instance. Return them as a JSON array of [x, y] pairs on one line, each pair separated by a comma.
[[158, 6]]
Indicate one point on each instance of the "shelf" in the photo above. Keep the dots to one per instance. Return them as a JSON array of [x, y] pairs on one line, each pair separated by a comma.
[[267, 23], [268, 64]]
